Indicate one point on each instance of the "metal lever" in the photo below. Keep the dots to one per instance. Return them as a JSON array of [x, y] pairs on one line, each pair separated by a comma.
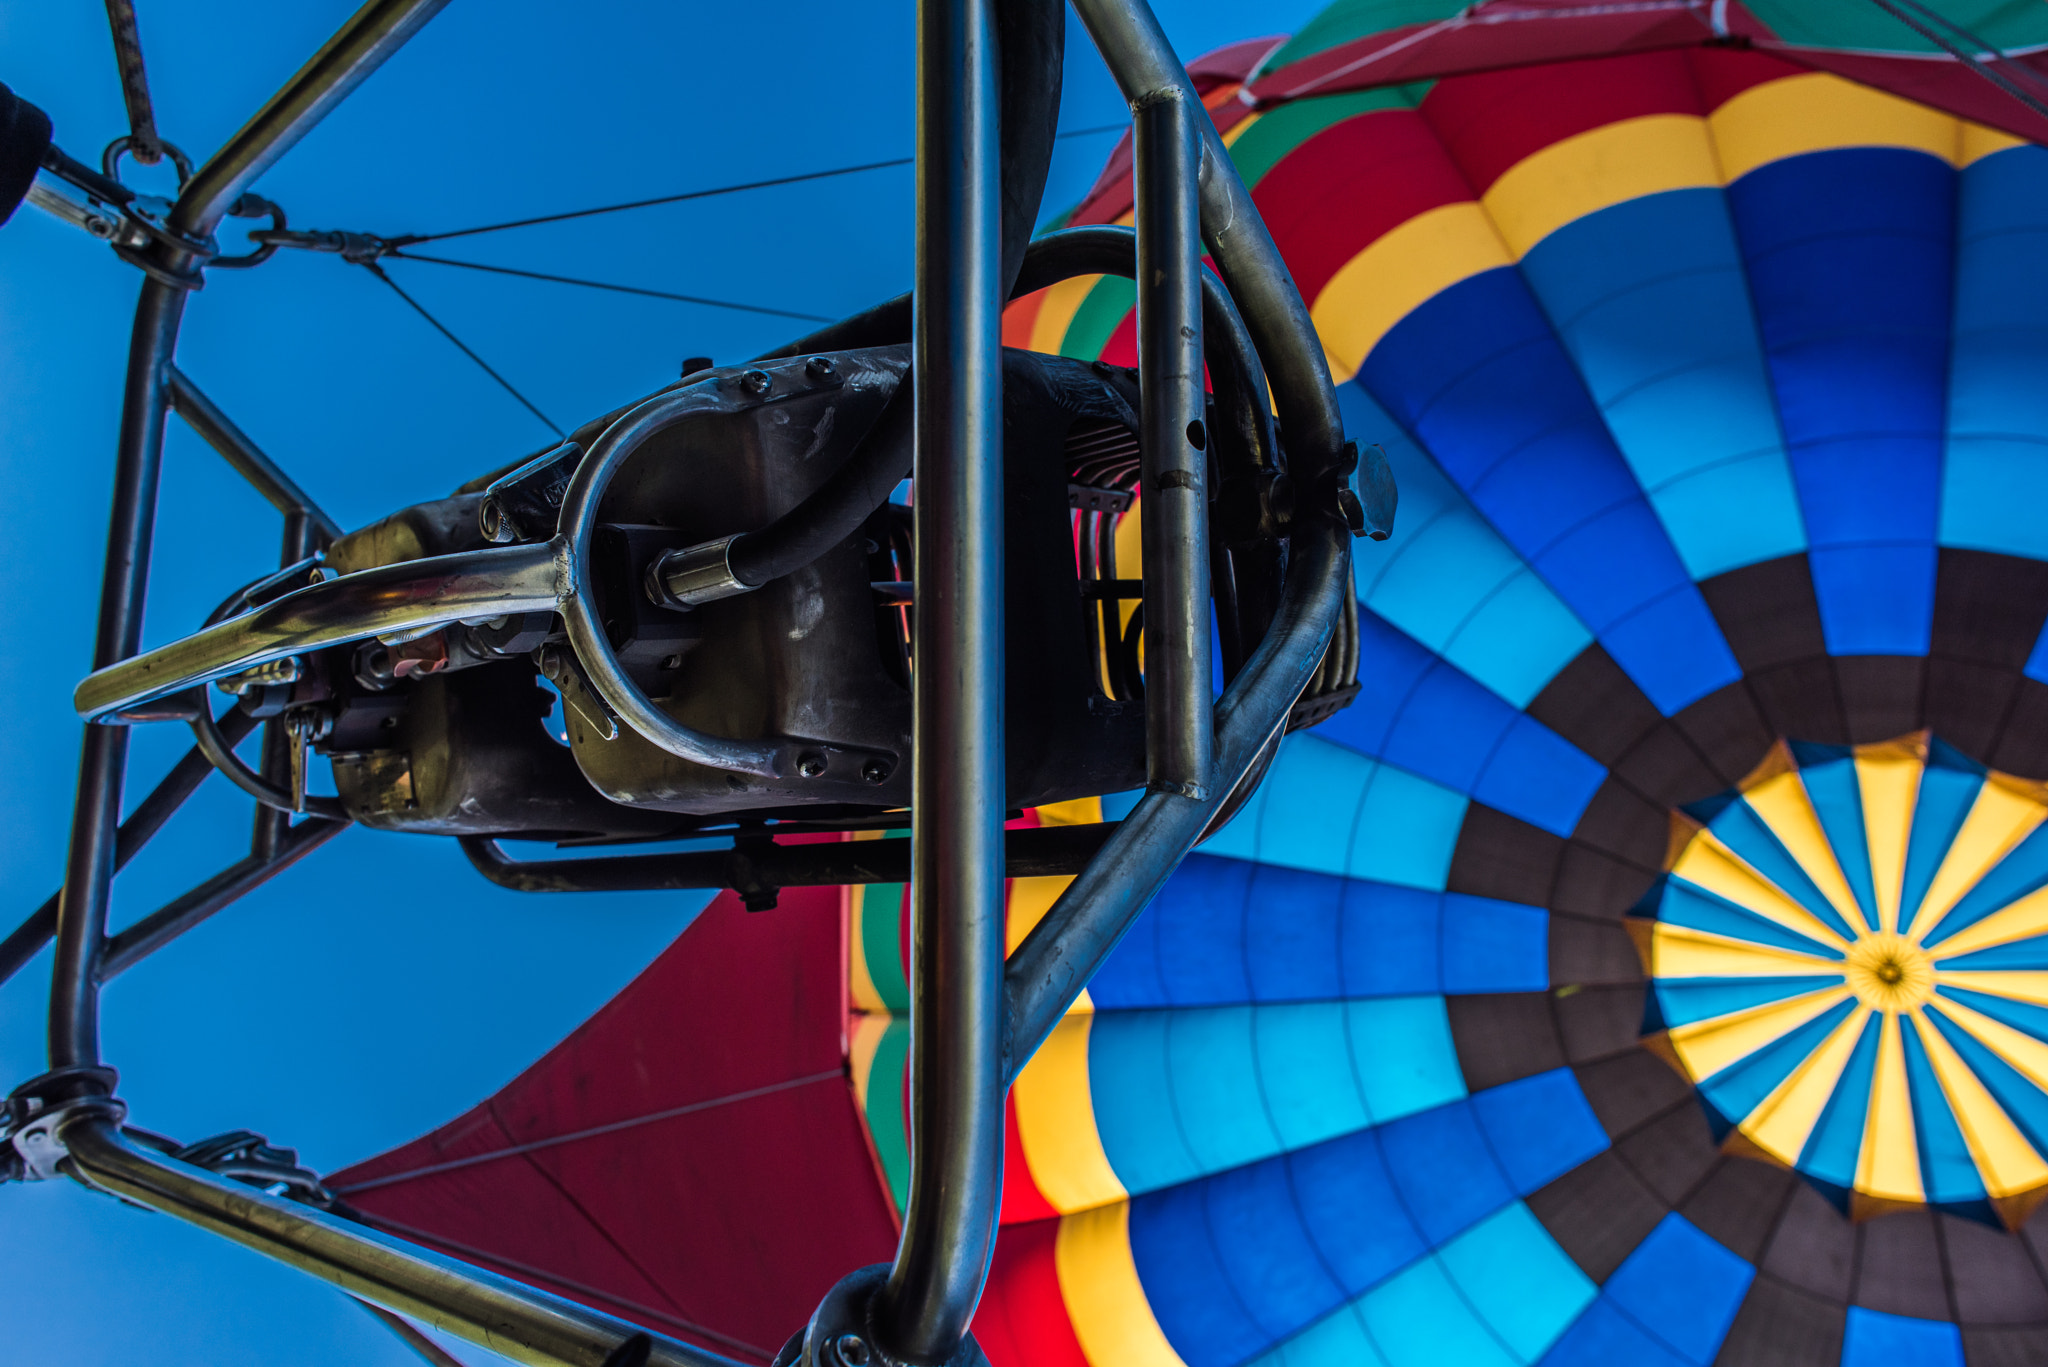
[[297, 728]]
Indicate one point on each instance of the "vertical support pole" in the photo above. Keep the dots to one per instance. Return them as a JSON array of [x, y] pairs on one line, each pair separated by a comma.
[[1179, 699], [89, 868], [957, 1008], [272, 825]]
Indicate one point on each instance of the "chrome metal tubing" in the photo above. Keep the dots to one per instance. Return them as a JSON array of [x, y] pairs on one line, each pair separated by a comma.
[[494, 1312], [146, 820], [220, 432], [222, 756], [922, 1312], [1174, 513], [167, 923], [89, 865], [358, 48], [1048, 970], [408, 596], [1138, 55]]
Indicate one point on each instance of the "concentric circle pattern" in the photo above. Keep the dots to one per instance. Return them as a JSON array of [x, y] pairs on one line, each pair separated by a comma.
[[1848, 956]]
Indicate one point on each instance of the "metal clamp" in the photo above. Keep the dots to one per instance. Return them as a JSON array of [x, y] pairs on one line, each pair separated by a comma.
[[253, 206], [842, 1331], [39, 1109]]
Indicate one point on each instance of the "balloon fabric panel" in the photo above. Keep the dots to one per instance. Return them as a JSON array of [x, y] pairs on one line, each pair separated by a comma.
[[1535, 1009]]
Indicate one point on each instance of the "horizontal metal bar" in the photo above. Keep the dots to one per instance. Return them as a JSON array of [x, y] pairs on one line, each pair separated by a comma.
[[220, 432], [146, 820], [167, 923], [358, 48], [1048, 970], [494, 1312], [1042, 852], [409, 596]]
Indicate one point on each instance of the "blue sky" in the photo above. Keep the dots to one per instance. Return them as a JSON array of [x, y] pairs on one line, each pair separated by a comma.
[[381, 987]]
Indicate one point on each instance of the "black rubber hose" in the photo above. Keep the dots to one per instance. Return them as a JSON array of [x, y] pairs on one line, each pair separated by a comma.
[[836, 508]]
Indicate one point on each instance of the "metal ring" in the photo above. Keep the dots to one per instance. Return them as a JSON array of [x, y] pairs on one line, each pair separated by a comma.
[[258, 206], [577, 527], [111, 158]]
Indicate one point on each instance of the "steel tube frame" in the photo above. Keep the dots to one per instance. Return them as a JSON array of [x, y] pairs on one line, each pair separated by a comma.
[[975, 1021], [491, 1311], [1048, 970], [1174, 512], [357, 48], [145, 821], [1139, 57], [129, 947], [1044, 852], [89, 866], [956, 1042], [219, 431]]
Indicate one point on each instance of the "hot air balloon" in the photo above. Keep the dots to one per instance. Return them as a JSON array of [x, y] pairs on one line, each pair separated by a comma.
[[1646, 967]]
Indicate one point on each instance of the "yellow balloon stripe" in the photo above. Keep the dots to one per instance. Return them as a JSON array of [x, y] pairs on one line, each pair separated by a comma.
[[1056, 1122], [1889, 1165], [1707, 863], [1682, 952], [2027, 1055], [1106, 1301], [1594, 170], [1999, 819], [1708, 1046], [2019, 986], [1889, 777], [1816, 113], [2019, 920], [1397, 274], [1784, 1120], [1056, 314], [2005, 1160], [1785, 806]]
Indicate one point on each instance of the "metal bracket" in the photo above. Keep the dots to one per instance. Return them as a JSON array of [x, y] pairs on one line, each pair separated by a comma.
[[842, 1331], [39, 1109]]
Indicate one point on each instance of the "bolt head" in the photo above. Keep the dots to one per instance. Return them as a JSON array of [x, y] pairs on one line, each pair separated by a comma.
[[821, 367], [756, 381], [672, 662], [852, 1350], [874, 771], [811, 765]]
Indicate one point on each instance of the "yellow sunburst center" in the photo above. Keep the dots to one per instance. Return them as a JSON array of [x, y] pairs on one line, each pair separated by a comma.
[[1889, 973]]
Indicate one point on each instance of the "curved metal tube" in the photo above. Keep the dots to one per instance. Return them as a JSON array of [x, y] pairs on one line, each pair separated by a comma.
[[1047, 972], [221, 755], [577, 527], [494, 1312], [1142, 61], [408, 596]]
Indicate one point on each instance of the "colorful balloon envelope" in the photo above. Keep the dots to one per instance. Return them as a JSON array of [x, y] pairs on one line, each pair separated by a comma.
[[1649, 966]]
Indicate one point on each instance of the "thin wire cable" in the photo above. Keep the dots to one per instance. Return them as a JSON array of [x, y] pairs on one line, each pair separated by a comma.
[[604, 285], [412, 239], [441, 328]]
